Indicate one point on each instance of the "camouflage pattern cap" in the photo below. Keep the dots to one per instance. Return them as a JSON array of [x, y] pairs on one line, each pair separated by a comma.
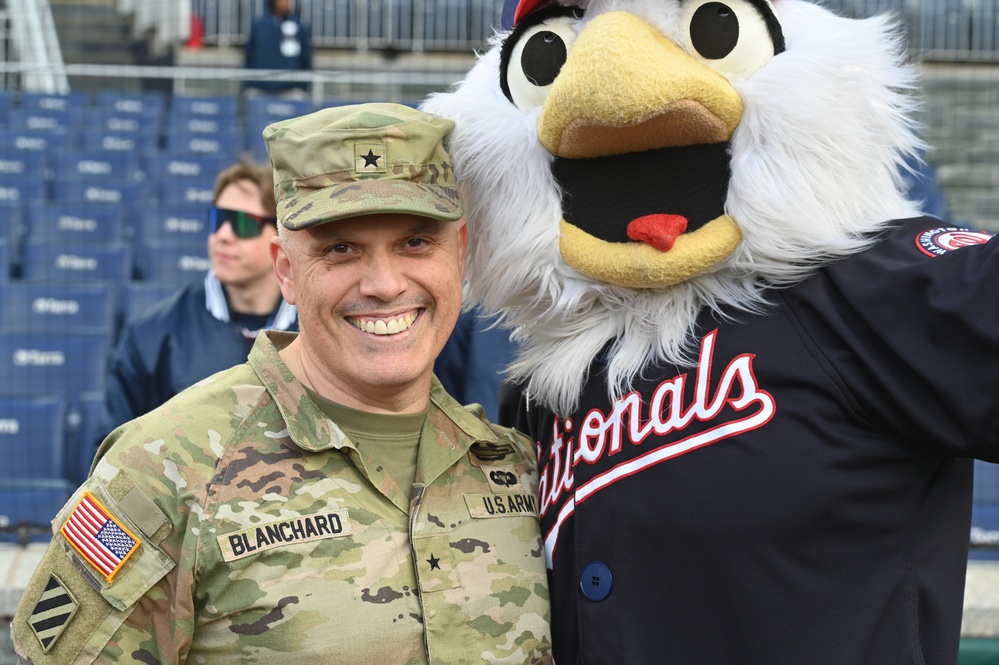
[[364, 159]]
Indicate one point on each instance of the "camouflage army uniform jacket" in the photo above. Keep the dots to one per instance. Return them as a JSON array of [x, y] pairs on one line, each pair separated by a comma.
[[241, 525]]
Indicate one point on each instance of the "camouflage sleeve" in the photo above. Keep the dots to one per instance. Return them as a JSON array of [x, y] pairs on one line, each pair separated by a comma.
[[116, 582]]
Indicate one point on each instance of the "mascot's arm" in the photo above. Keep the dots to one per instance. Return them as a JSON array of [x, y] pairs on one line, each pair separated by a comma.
[[910, 330]]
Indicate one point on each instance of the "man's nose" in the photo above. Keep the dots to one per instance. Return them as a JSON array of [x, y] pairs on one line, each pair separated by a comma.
[[383, 277]]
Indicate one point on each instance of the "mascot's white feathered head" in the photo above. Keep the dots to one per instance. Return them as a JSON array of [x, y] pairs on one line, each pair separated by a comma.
[[628, 163]]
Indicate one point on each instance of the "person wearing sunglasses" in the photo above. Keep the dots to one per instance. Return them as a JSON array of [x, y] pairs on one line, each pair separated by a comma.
[[207, 326]]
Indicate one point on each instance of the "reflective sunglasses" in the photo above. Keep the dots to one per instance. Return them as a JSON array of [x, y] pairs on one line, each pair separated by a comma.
[[243, 224]]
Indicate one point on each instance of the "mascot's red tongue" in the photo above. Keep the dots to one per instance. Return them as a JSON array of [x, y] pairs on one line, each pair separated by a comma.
[[659, 230]]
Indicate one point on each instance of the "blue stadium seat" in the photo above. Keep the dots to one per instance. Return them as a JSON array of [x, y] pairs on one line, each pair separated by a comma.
[[225, 108], [227, 144], [141, 296], [174, 264], [203, 167], [986, 482], [211, 125], [12, 227], [105, 191], [984, 531], [42, 120], [72, 102], [33, 436], [40, 362], [31, 504], [150, 103], [83, 437], [56, 307], [34, 140], [71, 223], [104, 120], [23, 189], [6, 270], [111, 262], [189, 192], [132, 142], [268, 109], [170, 225], [119, 166], [22, 163]]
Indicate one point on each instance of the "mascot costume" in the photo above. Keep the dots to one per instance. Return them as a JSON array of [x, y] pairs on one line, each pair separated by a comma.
[[756, 376]]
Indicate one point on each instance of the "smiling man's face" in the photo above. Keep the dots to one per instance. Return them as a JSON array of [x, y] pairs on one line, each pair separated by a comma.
[[377, 298]]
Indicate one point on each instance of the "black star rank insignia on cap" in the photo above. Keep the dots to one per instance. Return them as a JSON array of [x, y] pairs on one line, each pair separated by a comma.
[[52, 612], [435, 563], [371, 159]]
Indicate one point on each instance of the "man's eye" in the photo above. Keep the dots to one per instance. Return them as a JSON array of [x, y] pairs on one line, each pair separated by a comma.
[[417, 243], [339, 249]]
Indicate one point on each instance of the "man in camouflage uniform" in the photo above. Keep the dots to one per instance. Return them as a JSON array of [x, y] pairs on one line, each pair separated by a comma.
[[327, 502]]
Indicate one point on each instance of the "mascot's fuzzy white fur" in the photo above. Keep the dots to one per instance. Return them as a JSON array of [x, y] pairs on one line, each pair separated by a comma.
[[690, 212]]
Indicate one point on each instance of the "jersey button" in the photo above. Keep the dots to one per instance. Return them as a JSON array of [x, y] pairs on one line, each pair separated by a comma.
[[596, 581]]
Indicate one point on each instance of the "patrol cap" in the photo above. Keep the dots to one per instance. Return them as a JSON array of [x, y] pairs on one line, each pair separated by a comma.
[[363, 159]]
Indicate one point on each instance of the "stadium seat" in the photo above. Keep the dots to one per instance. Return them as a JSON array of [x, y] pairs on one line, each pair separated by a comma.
[[227, 144], [189, 192], [110, 262], [72, 102], [141, 296], [984, 531], [120, 166], [45, 120], [173, 224], [203, 167], [22, 163], [27, 507], [6, 271], [132, 142], [56, 307], [22, 188], [33, 140], [104, 191], [68, 363], [149, 104], [83, 437], [12, 227], [211, 125], [268, 109], [33, 436], [225, 108], [71, 223], [104, 120], [174, 264]]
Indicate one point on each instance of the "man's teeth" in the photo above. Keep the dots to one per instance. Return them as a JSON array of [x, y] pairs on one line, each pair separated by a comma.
[[385, 326]]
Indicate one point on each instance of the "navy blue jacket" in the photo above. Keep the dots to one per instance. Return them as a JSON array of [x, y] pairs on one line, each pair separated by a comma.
[[263, 50], [169, 348], [801, 494]]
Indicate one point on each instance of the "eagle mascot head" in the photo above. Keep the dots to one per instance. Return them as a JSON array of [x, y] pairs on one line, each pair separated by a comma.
[[627, 164]]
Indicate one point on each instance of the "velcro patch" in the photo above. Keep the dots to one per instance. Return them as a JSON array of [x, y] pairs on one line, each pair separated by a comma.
[[303, 529], [102, 541], [485, 506], [52, 612], [503, 479], [942, 239]]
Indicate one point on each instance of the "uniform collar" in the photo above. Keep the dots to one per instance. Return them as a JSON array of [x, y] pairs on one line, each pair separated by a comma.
[[456, 427]]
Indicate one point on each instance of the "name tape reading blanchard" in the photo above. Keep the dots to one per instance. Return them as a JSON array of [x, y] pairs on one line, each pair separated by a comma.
[[262, 537]]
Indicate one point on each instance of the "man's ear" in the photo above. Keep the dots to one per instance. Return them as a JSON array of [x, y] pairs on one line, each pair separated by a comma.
[[463, 242], [283, 270]]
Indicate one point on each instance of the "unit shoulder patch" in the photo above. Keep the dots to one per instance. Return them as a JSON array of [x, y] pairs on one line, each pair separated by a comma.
[[52, 613], [942, 239]]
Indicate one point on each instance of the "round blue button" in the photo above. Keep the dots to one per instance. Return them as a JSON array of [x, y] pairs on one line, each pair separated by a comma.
[[596, 581]]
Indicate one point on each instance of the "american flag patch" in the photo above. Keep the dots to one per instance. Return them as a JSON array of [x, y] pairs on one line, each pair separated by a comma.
[[103, 542]]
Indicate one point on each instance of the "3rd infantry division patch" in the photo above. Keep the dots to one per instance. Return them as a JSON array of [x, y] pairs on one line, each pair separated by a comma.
[[52, 612]]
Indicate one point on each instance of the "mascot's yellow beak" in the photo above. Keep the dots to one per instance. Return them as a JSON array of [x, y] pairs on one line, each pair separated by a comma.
[[640, 133]]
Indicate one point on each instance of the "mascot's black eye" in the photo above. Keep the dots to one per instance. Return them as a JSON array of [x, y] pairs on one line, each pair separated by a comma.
[[543, 57], [736, 37], [714, 30], [534, 53]]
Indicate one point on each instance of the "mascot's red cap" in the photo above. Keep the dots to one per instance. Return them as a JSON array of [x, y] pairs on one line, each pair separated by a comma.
[[525, 7]]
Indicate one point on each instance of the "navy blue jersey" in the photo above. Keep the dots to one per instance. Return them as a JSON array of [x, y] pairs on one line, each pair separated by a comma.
[[800, 495]]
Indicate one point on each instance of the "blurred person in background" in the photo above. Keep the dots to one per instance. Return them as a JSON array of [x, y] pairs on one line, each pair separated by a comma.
[[206, 326], [278, 40]]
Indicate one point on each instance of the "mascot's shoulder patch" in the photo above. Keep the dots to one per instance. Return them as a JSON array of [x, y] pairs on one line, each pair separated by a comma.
[[942, 239]]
